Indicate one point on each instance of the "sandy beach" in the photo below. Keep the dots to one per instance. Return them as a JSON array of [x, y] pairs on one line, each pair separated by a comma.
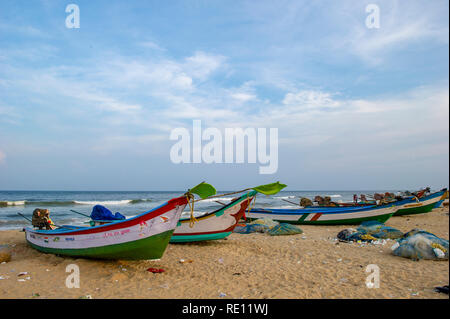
[[308, 265]]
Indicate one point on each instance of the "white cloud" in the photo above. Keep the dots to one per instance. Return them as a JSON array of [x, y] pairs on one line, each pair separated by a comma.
[[153, 74], [310, 99], [56, 82], [243, 97], [402, 24], [408, 118], [201, 64], [25, 30]]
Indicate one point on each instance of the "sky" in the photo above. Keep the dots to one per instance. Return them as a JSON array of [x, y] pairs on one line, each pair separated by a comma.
[[92, 108]]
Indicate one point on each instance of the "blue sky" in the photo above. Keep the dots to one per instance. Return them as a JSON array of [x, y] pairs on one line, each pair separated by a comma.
[[92, 108]]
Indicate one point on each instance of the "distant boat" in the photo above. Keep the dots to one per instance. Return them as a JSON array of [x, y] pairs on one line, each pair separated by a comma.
[[144, 236], [214, 225], [326, 216], [423, 205]]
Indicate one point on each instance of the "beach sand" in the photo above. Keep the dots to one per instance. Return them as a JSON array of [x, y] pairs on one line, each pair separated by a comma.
[[309, 265]]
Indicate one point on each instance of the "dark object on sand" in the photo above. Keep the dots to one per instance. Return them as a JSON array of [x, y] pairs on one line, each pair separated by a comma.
[[156, 270], [443, 289], [345, 234]]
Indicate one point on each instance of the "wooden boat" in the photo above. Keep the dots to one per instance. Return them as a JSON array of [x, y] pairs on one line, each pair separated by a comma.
[[423, 205], [327, 216], [144, 236], [215, 225]]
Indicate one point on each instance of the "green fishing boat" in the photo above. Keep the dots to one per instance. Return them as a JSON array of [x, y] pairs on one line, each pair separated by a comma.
[[422, 205]]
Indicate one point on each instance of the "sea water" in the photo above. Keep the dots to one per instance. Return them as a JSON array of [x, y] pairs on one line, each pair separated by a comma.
[[60, 203]]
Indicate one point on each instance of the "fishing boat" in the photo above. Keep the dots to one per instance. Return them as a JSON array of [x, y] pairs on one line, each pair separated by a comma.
[[144, 236], [214, 225], [422, 205], [326, 216]]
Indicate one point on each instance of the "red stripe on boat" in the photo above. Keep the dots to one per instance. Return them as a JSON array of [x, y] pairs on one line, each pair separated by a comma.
[[171, 204], [316, 217]]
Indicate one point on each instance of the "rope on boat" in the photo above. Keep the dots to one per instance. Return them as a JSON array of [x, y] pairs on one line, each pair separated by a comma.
[[191, 201], [248, 204]]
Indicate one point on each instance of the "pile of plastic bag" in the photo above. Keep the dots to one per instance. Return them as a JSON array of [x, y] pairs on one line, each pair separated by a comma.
[[369, 231], [269, 226], [419, 244]]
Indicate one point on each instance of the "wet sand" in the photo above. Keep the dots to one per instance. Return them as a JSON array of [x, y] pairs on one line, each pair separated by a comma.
[[309, 265]]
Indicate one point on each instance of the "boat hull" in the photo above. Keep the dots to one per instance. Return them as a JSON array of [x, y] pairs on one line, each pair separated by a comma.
[[147, 248], [215, 225], [326, 217], [425, 205], [145, 236]]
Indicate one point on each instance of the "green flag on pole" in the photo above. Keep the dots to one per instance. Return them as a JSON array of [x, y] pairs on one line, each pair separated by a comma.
[[203, 190], [269, 189]]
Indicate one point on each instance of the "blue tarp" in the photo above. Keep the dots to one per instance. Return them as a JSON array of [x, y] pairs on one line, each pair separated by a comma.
[[100, 212]]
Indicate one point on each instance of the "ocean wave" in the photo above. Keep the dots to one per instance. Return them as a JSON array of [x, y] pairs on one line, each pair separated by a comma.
[[106, 202], [12, 203], [9, 222], [333, 196], [71, 203], [137, 201], [285, 197]]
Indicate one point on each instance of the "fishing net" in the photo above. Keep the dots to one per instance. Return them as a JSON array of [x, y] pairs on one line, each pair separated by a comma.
[[266, 225], [346, 234], [369, 231], [387, 232], [419, 244], [265, 221], [284, 229], [251, 228], [370, 226]]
